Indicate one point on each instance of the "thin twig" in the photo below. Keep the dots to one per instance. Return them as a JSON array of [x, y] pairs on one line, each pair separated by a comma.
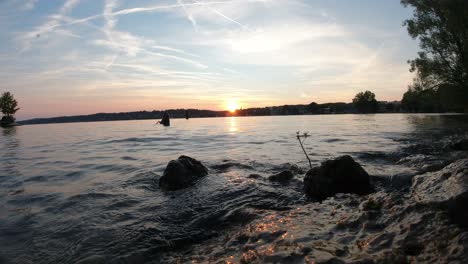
[[305, 136]]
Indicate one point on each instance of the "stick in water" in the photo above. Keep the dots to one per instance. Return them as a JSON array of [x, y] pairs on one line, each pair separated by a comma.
[[305, 136]]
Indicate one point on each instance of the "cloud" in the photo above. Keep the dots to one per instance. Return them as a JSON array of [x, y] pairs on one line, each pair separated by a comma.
[[158, 47], [28, 5], [188, 14], [259, 51], [216, 11], [281, 37], [49, 26], [158, 8]]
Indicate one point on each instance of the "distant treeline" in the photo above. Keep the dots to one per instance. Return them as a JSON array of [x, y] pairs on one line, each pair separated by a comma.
[[314, 108], [307, 109], [140, 115]]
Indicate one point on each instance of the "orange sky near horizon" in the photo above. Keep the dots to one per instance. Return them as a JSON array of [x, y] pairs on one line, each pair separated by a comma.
[[77, 57]]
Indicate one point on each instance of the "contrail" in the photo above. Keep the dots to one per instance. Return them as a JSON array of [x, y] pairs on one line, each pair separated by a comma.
[[226, 17], [156, 8], [189, 16]]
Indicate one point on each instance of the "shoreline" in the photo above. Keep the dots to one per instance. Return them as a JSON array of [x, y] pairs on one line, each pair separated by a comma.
[[22, 123], [419, 221], [246, 210]]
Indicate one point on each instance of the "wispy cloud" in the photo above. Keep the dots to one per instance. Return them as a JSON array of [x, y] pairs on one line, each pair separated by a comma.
[[189, 16], [156, 8], [52, 23], [259, 51], [195, 63], [29, 4], [174, 50], [224, 16]]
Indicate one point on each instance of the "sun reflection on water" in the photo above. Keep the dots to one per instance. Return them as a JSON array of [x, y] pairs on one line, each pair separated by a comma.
[[233, 125], [268, 237]]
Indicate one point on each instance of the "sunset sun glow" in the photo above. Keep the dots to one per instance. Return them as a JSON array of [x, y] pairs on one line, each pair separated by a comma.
[[232, 106], [249, 53]]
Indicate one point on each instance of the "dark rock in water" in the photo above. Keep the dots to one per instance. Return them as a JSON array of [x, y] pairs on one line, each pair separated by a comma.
[[448, 187], [224, 167], [182, 173], [341, 175], [289, 167], [283, 176], [254, 176], [165, 121], [461, 145]]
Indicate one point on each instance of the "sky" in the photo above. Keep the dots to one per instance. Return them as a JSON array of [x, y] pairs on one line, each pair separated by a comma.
[[69, 57]]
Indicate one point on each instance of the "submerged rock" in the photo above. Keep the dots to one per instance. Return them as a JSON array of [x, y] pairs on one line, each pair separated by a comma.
[[283, 176], [461, 145], [289, 167], [448, 187], [224, 167], [254, 176], [182, 173], [341, 175]]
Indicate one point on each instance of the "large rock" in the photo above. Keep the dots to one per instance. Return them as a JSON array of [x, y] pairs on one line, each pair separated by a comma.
[[447, 187], [182, 173], [341, 175], [461, 145]]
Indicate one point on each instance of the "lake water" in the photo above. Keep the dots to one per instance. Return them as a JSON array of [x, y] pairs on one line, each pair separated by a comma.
[[88, 192]]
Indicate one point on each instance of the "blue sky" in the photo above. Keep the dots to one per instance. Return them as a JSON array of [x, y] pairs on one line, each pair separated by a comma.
[[85, 56]]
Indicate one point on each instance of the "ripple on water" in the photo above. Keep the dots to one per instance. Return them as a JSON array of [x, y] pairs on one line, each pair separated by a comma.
[[94, 197]]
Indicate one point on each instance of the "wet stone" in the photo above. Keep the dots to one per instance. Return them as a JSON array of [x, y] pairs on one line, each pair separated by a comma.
[[182, 173], [340, 175], [461, 145], [424, 163], [254, 176], [447, 187], [283, 176]]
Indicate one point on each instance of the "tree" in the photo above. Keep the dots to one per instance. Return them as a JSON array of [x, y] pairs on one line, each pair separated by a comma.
[[444, 98], [313, 107], [421, 100], [8, 106], [441, 26], [365, 102]]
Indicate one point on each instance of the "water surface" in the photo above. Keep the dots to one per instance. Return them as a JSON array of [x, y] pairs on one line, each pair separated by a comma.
[[89, 192]]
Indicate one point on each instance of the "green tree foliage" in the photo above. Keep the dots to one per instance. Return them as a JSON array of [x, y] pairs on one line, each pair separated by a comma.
[[441, 26], [421, 100], [365, 102], [313, 107], [8, 105], [445, 98]]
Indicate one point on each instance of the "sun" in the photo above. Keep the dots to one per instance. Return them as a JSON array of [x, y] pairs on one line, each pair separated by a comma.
[[232, 106]]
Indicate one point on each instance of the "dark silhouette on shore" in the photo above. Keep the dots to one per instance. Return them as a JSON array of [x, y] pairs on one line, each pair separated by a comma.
[[365, 102], [8, 106], [441, 68], [300, 109], [166, 120]]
